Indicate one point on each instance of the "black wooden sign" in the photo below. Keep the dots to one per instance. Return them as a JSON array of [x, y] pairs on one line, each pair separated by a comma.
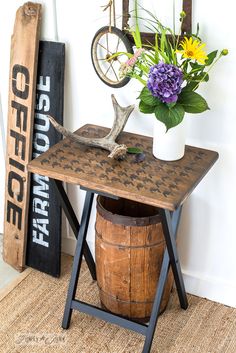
[[44, 232]]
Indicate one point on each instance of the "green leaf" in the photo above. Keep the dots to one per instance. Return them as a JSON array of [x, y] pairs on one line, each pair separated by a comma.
[[196, 66], [136, 34], [163, 40], [197, 30], [134, 150], [192, 102], [171, 105], [120, 53], [137, 38], [140, 79], [211, 57], [148, 98], [202, 77], [156, 48], [190, 86], [151, 58], [169, 116], [146, 109], [165, 57]]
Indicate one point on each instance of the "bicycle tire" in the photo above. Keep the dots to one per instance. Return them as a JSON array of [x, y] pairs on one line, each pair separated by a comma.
[[95, 61]]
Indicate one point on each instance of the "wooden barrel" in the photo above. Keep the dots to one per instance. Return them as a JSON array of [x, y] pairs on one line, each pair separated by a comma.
[[129, 252]]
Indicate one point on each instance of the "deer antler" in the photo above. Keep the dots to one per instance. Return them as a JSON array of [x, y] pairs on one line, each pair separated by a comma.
[[108, 142]]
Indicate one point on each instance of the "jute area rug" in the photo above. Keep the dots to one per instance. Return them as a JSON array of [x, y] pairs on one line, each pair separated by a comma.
[[31, 314]]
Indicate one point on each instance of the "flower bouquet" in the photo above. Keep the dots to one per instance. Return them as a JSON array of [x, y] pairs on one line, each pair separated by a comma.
[[171, 71]]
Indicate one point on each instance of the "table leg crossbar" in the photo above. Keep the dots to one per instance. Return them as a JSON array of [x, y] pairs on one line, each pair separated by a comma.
[[74, 223], [170, 221]]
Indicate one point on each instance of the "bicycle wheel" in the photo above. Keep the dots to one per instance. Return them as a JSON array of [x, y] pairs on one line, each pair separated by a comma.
[[106, 42]]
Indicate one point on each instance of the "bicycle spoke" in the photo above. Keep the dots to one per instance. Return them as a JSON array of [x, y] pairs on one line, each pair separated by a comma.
[[118, 42], [115, 73], [107, 41], [108, 69], [119, 60], [104, 48]]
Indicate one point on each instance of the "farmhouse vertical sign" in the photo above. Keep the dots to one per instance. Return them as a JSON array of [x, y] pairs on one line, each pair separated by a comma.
[[44, 232], [23, 70]]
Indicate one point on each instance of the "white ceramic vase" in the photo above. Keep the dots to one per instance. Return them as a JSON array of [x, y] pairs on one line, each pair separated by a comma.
[[170, 145]]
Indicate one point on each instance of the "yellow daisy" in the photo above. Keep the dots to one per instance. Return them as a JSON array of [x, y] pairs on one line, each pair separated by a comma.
[[193, 49]]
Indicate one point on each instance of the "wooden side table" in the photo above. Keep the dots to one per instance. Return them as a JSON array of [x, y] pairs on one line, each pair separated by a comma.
[[162, 184]]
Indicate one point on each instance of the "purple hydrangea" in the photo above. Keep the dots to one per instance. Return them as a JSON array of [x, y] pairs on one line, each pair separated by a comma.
[[164, 82]]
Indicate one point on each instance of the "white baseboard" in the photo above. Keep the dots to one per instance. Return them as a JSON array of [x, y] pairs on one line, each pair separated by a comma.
[[212, 288], [69, 244]]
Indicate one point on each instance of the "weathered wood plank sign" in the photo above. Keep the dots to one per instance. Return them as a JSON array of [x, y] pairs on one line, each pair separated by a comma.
[[44, 232], [22, 80]]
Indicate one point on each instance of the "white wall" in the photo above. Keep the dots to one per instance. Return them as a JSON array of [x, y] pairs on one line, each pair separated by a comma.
[[207, 240]]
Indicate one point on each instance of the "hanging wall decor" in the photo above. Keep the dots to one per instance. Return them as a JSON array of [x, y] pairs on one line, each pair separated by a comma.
[[23, 70], [110, 39], [44, 232]]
